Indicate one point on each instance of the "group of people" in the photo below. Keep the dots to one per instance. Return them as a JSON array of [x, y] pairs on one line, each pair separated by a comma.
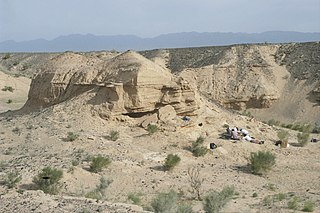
[[238, 134]]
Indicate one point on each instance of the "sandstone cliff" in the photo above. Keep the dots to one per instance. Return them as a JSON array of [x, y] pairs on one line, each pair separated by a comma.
[[126, 84]]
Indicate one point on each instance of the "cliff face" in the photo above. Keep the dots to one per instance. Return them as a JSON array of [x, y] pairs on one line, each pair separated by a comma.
[[246, 76], [126, 84], [265, 77]]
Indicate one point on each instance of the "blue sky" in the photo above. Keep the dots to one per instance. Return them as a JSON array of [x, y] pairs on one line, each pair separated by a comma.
[[32, 19]]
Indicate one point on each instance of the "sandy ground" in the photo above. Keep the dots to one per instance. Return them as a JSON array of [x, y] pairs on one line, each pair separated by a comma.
[[29, 143]]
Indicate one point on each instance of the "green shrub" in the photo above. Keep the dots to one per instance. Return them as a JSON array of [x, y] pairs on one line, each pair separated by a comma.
[[6, 56], [114, 135], [197, 147], [293, 204], [12, 179], [316, 128], [98, 193], [7, 88], [165, 202], [48, 180], [72, 136], [303, 138], [215, 201], [98, 163], [309, 206], [135, 198], [9, 101], [280, 196], [283, 136], [255, 194], [273, 122], [270, 186], [261, 161], [184, 208], [268, 200], [152, 128], [171, 161]]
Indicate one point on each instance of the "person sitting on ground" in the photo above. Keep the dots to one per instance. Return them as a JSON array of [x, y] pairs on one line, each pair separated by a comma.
[[244, 132], [229, 133], [234, 134]]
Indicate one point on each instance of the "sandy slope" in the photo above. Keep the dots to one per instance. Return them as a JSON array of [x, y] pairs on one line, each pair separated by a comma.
[[18, 96]]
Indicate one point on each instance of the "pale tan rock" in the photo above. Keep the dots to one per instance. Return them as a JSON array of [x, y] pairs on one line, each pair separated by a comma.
[[166, 113], [150, 119]]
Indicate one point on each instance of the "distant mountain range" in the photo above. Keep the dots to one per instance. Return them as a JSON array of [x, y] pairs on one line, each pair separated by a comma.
[[89, 42]]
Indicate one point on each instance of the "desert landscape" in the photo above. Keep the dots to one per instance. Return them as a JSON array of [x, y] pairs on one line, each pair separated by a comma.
[[110, 121]]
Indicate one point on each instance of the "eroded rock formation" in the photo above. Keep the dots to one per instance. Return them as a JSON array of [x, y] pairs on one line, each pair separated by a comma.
[[126, 84]]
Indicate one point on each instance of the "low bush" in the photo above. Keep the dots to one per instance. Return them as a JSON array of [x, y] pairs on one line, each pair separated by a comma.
[[152, 128], [294, 203], [165, 202], [303, 138], [12, 179], [6, 56], [184, 208], [261, 161], [98, 193], [309, 206], [197, 147], [48, 180], [72, 136], [98, 163], [283, 136], [7, 88], [135, 198], [215, 201], [114, 135], [171, 161]]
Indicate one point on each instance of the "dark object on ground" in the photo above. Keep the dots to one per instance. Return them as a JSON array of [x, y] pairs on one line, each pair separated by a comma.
[[185, 118], [200, 124], [314, 140], [213, 146], [278, 143]]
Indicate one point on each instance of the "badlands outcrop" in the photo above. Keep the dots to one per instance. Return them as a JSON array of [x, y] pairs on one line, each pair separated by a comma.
[[127, 84]]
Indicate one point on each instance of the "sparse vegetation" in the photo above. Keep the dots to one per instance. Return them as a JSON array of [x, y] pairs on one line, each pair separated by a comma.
[[270, 186], [283, 136], [6, 56], [303, 138], [195, 182], [171, 161], [152, 128], [9, 101], [7, 88], [165, 202], [215, 201], [72, 136], [135, 198], [255, 194], [261, 162], [309, 206], [184, 208], [99, 192], [294, 203], [98, 163], [197, 147], [114, 135], [48, 180], [12, 179]]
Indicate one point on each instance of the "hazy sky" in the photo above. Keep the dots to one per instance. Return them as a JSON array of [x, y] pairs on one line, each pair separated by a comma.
[[32, 19]]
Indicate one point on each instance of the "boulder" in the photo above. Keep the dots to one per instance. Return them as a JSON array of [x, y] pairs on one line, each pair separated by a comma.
[[167, 113]]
